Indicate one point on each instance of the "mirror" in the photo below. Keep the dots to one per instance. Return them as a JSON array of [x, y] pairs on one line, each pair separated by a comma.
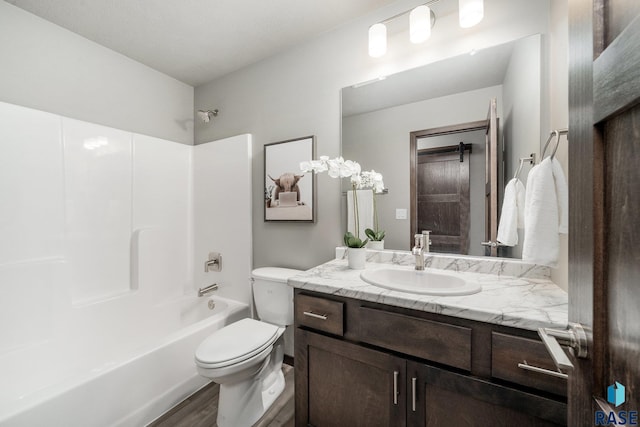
[[378, 118]]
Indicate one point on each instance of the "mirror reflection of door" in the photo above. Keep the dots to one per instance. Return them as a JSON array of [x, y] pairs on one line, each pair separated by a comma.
[[443, 196], [439, 200]]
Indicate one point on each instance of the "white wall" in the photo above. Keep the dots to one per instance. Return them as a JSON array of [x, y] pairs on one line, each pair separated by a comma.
[[49, 68], [521, 120], [297, 93], [386, 149], [558, 106]]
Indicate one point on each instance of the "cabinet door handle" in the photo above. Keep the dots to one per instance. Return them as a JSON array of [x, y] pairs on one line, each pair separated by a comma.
[[539, 370], [414, 381], [395, 387], [314, 315]]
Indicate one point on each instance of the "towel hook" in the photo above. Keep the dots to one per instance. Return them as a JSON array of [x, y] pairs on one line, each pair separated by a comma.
[[531, 159], [557, 134]]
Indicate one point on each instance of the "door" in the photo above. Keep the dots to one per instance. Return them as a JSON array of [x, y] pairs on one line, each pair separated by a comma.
[[604, 203], [491, 193], [347, 385], [448, 135], [443, 197]]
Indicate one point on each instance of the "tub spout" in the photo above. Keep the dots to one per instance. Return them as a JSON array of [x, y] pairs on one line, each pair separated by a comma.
[[207, 290]]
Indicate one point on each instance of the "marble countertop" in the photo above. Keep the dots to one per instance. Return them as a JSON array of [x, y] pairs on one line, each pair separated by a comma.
[[513, 293]]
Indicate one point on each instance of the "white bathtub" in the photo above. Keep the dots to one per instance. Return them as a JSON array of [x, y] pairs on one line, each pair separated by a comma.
[[126, 379]]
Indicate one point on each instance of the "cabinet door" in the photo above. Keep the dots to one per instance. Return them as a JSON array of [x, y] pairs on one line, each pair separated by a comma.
[[342, 384], [444, 398]]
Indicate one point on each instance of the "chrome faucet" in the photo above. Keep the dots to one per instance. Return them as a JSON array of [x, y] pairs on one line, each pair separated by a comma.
[[420, 248]]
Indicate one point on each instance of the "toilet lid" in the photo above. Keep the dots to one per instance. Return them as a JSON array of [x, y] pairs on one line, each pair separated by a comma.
[[235, 343]]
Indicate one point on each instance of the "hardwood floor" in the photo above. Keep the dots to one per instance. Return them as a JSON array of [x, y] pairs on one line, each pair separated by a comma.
[[201, 408]]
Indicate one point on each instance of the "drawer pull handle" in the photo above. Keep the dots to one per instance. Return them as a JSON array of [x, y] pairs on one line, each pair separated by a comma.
[[414, 381], [395, 387], [532, 368], [314, 315]]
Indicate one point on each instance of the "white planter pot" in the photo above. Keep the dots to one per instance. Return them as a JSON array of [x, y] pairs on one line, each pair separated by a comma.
[[376, 245], [356, 258]]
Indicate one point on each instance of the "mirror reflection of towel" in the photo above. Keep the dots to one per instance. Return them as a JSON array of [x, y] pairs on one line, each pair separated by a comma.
[[546, 213], [365, 211], [512, 215]]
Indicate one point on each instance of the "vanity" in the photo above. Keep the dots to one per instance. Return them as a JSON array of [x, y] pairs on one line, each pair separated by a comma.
[[372, 356]]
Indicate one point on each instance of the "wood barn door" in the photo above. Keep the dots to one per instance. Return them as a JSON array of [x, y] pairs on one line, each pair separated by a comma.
[[604, 203], [427, 169], [443, 197]]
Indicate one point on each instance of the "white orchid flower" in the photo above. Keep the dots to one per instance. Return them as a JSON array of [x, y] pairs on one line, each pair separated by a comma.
[[341, 168], [306, 166], [316, 166], [372, 179]]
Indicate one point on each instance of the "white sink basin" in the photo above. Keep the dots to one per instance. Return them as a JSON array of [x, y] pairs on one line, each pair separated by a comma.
[[420, 282]]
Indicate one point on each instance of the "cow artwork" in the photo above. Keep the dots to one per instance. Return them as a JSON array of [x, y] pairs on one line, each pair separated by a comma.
[[286, 183], [288, 193]]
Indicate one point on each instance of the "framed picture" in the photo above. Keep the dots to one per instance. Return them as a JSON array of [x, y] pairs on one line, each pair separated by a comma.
[[289, 194]]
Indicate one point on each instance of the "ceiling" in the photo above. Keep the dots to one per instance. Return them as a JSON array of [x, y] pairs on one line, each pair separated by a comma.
[[196, 41]]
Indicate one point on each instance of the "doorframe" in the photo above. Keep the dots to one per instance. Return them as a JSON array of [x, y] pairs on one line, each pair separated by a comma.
[[413, 161]]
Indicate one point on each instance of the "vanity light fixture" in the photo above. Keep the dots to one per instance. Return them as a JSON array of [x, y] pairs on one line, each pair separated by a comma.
[[377, 40], [421, 20], [420, 24], [471, 12]]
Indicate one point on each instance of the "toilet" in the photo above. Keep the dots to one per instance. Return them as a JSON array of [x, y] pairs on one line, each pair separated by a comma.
[[245, 357]]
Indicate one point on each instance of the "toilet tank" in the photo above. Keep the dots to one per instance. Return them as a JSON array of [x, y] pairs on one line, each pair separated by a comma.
[[272, 295]]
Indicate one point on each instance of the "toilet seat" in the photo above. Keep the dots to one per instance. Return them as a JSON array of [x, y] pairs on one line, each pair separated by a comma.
[[236, 343]]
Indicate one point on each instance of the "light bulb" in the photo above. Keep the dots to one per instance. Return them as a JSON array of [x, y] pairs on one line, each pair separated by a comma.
[[377, 40], [471, 12], [420, 24]]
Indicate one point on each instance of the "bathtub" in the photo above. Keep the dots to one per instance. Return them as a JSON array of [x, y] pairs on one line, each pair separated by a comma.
[[131, 380]]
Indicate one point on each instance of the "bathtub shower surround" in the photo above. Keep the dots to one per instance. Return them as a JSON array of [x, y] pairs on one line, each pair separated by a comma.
[[222, 215], [96, 257]]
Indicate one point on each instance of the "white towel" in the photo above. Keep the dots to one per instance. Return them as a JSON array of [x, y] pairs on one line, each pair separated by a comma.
[[562, 192], [365, 211], [512, 215], [545, 213]]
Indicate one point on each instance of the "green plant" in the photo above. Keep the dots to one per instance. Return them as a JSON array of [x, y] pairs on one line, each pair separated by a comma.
[[376, 236], [352, 241]]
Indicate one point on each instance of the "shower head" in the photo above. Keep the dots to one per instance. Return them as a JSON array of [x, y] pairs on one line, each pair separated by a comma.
[[205, 115]]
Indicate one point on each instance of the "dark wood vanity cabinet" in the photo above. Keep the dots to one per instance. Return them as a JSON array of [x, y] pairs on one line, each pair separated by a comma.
[[366, 364]]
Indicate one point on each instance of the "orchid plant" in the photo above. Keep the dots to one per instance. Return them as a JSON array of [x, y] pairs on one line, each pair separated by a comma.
[[340, 168]]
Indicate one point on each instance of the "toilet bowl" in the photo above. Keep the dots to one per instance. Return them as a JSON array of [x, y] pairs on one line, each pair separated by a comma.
[[245, 357]]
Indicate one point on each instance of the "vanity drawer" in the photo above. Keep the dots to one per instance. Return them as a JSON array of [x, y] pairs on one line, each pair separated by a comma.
[[426, 339], [508, 356], [320, 313]]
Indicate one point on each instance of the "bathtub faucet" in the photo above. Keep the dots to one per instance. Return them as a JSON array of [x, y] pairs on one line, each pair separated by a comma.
[[207, 290], [213, 263]]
